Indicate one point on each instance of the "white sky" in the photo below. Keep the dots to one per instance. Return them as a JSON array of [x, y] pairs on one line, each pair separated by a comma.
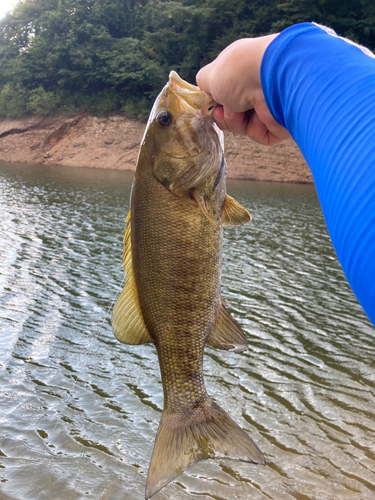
[[5, 6]]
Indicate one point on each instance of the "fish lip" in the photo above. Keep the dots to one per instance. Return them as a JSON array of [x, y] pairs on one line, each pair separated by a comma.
[[193, 100], [182, 83]]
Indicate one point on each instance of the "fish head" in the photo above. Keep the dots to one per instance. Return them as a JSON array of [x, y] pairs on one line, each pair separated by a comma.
[[185, 144]]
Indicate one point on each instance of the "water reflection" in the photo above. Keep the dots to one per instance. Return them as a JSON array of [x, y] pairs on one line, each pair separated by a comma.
[[79, 411]]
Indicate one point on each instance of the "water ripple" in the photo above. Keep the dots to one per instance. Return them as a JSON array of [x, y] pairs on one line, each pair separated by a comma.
[[79, 411]]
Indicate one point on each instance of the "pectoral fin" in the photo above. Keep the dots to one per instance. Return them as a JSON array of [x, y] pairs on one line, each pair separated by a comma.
[[226, 334], [127, 319], [202, 205], [234, 214]]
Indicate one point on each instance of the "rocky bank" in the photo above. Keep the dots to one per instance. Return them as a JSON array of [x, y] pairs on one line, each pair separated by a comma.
[[113, 143]]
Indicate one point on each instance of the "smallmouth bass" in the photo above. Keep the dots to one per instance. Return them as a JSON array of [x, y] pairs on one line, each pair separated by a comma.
[[172, 259]]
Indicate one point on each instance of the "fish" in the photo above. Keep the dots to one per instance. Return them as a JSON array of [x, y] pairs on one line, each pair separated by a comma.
[[172, 294]]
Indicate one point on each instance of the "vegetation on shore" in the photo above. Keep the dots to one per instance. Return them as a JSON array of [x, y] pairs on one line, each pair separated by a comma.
[[107, 56]]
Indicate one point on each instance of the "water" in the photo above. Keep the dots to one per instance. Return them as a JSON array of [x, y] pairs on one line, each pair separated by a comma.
[[79, 411]]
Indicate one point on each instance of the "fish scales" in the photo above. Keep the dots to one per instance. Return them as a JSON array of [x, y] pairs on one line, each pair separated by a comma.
[[178, 280], [172, 257]]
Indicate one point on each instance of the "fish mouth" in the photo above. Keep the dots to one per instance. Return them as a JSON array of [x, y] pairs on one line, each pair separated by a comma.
[[182, 83], [191, 96]]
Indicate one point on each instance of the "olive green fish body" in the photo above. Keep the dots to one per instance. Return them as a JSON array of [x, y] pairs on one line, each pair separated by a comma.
[[172, 259], [177, 264]]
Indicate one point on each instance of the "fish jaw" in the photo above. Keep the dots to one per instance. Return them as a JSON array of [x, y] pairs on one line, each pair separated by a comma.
[[191, 96]]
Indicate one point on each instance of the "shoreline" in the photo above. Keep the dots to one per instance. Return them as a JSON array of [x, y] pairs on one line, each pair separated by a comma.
[[113, 143]]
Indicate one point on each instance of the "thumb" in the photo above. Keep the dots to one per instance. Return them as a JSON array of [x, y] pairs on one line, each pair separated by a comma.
[[204, 78]]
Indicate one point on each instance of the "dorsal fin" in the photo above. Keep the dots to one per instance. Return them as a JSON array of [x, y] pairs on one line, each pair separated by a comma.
[[127, 319], [226, 334], [234, 214]]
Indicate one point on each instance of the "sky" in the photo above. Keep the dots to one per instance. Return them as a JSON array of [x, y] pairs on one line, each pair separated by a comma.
[[5, 6]]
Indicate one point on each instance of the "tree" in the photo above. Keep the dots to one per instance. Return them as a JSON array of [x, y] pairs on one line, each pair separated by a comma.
[[107, 55]]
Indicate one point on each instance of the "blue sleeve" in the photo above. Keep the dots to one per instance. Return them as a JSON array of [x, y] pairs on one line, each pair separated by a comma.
[[321, 88]]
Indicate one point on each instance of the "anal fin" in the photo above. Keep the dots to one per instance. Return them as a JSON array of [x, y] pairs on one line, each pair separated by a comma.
[[127, 319], [226, 334]]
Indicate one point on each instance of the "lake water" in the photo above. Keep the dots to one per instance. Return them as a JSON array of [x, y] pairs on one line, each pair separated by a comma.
[[79, 411]]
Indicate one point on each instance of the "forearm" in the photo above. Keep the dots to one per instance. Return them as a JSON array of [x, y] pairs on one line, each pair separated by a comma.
[[321, 89]]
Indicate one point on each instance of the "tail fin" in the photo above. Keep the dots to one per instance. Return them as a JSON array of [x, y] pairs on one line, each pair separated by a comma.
[[183, 440]]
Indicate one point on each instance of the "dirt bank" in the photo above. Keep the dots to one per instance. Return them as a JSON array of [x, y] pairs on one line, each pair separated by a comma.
[[113, 143]]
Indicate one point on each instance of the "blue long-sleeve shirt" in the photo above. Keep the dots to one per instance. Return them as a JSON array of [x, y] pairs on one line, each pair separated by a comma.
[[321, 88]]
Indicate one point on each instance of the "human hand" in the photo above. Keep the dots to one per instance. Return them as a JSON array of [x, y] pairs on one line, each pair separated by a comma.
[[233, 80]]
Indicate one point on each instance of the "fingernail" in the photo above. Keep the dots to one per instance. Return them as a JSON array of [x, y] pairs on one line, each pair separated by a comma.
[[255, 118], [228, 115]]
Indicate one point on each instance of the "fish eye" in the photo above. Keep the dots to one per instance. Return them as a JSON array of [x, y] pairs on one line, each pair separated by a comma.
[[164, 119]]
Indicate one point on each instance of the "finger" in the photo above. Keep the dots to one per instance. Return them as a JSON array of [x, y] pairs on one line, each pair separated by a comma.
[[219, 113], [265, 135], [258, 132], [219, 117], [203, 78], [236, 122]]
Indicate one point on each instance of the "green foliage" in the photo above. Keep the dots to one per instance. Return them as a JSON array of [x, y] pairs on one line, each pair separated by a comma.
[[13, 100], [136, 109], [100, 103], [42, 102], [115, 55], [353, 19]]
